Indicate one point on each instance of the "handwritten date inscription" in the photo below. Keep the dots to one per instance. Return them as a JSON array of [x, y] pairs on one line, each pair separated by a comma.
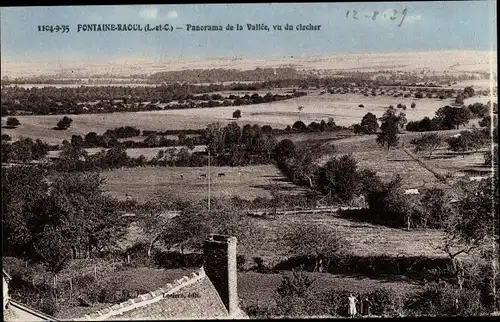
[[392, 16]]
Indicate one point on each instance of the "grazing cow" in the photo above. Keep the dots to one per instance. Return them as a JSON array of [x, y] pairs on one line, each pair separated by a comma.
[[221, 174], [411, 192], [182, 176]]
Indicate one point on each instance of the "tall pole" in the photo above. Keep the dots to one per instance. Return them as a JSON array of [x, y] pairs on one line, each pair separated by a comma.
[[208, 180]]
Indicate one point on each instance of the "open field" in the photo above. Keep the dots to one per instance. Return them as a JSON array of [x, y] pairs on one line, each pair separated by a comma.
[[455, 61], [246, 182], [343, 108], [388, 164], [364, 238]]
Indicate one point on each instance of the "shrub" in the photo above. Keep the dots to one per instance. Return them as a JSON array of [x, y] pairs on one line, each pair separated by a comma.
[[444, 300], [237, 114], [12, 122], [385, 302], [49, 306], [240, 262], [335, 302], [64, 123]]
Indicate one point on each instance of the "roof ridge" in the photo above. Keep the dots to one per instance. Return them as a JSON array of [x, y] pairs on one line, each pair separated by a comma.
[[32, 311], [145, 299]]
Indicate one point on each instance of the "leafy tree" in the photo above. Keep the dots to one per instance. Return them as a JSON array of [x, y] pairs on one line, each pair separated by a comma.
[[267, 129], [315, 242], [23, 188], [413, 105], [369, 124], [427, 142], [12, 122], [468, 141], [284, 149], [469, 91], [92, 139], [295, 297], [340, 177], [77, 140], [472, 224], [389, 205], [215, 139], [452, 117], [52, 248], [196, 222], [64, 123], [264, 146], [389, 135], [232, 134], [300, 166], [237, 114], [299, 126], [479, 110], [435, 208], [419, 95], [71, 157], [486, 121], [151, 140], [300, 108]]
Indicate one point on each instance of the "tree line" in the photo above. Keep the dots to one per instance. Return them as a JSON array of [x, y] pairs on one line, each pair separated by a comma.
[[451, 117], [82, 100]]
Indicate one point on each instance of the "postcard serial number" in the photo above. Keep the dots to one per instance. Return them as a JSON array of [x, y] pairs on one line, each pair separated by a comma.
[[54, 28]]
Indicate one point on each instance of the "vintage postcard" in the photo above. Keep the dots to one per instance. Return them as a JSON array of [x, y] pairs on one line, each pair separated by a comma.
[[249, 161]]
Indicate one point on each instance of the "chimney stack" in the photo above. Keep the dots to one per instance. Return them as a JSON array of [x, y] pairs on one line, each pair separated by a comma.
[[220, 266]]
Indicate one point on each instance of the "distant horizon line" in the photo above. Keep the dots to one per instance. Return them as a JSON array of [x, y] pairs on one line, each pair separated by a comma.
[[215, 58]]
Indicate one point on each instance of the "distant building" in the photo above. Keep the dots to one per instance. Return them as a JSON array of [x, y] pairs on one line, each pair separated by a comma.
[[411, 192]]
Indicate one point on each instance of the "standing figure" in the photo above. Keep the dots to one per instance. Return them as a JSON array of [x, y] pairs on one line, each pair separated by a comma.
[[365, 306], [352, 305]]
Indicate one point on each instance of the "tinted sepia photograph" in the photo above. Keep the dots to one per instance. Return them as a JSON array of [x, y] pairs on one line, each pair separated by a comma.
[[250, 161]]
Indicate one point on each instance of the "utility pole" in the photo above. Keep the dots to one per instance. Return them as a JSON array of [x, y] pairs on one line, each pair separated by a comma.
[[208, 176]]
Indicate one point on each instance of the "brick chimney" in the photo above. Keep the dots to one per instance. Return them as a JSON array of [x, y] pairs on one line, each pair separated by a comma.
[[220, 266]]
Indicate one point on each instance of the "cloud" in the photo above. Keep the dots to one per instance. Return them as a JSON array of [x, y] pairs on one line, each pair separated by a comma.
[[149, 13], [412, 19], [172, 14]]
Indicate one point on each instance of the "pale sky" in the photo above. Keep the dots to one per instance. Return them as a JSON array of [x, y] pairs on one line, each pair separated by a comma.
[[428, 26]]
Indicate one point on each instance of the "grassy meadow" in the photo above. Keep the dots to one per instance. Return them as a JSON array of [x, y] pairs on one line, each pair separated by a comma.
[[343, 108], [247, 182]]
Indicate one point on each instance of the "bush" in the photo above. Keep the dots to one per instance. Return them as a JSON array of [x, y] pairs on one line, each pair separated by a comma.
[[444, 300], [12, 122], [237, 114], [64, 123], [385, 303], [335, 302], [240, 262], [49, 306]]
